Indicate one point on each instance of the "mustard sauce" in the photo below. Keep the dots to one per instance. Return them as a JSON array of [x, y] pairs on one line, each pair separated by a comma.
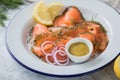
[[78, 49]]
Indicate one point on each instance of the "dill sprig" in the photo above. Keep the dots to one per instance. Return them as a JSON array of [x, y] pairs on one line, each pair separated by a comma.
[[2, 18], [6, 5]]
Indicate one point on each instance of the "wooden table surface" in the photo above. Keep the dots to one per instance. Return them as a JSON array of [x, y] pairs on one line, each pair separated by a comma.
[[11, 70]]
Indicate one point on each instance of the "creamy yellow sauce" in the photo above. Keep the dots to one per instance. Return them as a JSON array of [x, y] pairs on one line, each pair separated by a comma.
[[78, 49]]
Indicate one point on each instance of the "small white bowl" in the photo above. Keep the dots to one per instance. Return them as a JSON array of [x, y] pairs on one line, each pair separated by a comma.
[[79, 59]]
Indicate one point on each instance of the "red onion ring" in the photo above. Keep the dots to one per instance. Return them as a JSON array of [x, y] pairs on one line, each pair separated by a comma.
[[56, 50], [47, 60], [44, 43], [62, 61], [61, 47], [58, 62]]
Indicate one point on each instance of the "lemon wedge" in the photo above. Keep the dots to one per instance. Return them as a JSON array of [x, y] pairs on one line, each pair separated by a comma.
[[117, 67], [54, 9], [41, 14], [45, 14]]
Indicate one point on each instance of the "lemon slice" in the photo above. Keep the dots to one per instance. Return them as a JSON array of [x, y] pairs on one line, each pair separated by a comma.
[[41, 14], [117, 67], [54, 9]]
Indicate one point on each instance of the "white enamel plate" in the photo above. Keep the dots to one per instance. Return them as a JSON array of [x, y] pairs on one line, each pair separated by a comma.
[[91, 9]]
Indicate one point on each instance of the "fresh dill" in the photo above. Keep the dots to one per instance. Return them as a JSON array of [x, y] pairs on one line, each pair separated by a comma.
[[6, 5]]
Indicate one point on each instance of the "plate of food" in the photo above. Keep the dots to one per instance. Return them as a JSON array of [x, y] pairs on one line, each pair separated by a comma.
[[62, 38]]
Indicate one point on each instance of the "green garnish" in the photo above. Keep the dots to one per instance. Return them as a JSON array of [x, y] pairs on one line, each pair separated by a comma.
[[6, 5]]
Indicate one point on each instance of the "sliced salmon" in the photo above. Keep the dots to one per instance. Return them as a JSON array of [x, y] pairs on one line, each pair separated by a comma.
[[60, 36], [88, 36], [39, 29], [69, 17], [102, 39], [41, 38], [59, 21], [73, 15], [73, 32], [37, 51], [96, 34], [63, 41]]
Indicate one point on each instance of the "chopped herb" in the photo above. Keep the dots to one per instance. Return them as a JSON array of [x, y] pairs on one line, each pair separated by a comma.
[[96, 43], [40, 36], [72, 20]]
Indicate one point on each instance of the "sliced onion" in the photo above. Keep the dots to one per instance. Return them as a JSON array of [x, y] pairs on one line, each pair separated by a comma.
[[44, 43], [47, 59], [62, 61], [61, 47], [61, 52], [54, 50], [58, 62]]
